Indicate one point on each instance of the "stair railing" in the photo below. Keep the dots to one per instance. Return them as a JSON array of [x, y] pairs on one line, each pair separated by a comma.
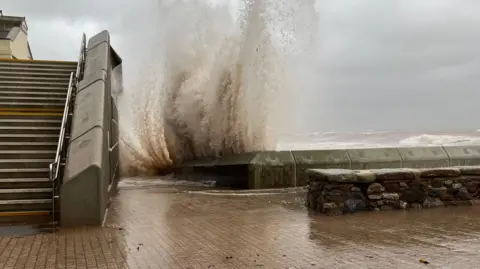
[[61, 153]]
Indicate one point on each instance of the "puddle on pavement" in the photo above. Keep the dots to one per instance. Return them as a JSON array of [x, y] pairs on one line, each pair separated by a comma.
[[169, 184], [266, 192], [165, 181], [24, 229]]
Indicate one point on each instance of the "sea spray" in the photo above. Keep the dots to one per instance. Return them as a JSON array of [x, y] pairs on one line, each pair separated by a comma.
[[215, 87]]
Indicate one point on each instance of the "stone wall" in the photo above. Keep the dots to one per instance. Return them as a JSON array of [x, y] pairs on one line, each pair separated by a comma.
[[338, 191]]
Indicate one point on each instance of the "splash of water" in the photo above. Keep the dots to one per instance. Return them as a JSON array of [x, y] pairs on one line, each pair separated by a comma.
[[218, 86]]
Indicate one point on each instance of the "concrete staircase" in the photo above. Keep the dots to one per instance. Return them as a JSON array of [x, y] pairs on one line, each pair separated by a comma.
[[32, 100]]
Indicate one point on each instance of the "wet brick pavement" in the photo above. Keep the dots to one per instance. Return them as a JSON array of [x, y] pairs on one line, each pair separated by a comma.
[[184, 227]]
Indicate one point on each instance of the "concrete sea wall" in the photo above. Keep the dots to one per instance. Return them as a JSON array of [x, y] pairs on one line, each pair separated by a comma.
[[92, 160], [339, 191], [277, 169]]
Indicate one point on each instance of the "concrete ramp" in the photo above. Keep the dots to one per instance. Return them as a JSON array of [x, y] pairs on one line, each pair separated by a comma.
[[92, 162]]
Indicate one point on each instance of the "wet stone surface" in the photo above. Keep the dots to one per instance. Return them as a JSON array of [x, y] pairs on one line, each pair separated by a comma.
[[388, 189], [173, 226]]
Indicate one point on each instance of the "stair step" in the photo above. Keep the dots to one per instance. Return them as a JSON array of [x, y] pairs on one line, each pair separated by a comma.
[[27, 78], [70, 66], [27, 154], [31, 122], [37, 69], [25, 183], [33, 84], [23, 94], [24, 172], [27, 163], [21, 105], [29, 130], [29, 137], [32, 98], [58, 94], [26, 201], [29, 217], [26, 205], [32, 146], [39, 88], [33, 190], [20, 73], [25, 213], [30, 194], [12, 114], [24, 180]]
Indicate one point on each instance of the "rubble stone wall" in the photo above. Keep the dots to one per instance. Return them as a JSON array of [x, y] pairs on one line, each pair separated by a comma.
[[339, 191]]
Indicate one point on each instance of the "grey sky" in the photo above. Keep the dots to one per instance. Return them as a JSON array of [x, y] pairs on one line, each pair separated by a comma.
[[399, 64]]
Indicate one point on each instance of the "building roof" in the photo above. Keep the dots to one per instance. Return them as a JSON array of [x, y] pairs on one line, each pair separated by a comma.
[[10, 26]]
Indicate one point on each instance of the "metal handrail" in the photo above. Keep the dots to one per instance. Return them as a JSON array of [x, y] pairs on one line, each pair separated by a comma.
[[54, 168], [111, 148], [81, 59], [61, 138]]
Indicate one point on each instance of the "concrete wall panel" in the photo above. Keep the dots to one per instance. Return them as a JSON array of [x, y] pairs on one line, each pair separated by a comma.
[[239, 159], [101, 37], [87, 81], [97, 59], [80, 199], [373, 158], [89, 109], [423, 157], [83, 152], [307, 159], [272, 169], [463, 155], [285, 169]]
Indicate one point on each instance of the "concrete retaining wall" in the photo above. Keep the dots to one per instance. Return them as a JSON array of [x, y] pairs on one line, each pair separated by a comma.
[[287, 168], [92, 158]]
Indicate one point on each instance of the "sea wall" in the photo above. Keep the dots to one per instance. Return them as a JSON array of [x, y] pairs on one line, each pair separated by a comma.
[[278, 169], [339, 191]]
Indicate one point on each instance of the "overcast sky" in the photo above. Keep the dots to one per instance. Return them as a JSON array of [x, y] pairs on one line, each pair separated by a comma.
[[399, 64]]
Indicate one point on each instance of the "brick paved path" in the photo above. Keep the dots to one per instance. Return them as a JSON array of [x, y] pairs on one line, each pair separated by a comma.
[[180, 227]]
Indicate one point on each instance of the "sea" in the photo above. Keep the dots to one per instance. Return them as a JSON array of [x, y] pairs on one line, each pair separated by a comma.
[[376, 139]]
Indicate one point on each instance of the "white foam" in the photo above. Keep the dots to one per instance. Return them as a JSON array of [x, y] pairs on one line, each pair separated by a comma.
[[374, 139], [438, 140], [325, 145], [216, 82]]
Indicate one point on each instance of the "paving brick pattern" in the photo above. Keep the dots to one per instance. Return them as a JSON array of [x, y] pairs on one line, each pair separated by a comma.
[[174, 227]]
